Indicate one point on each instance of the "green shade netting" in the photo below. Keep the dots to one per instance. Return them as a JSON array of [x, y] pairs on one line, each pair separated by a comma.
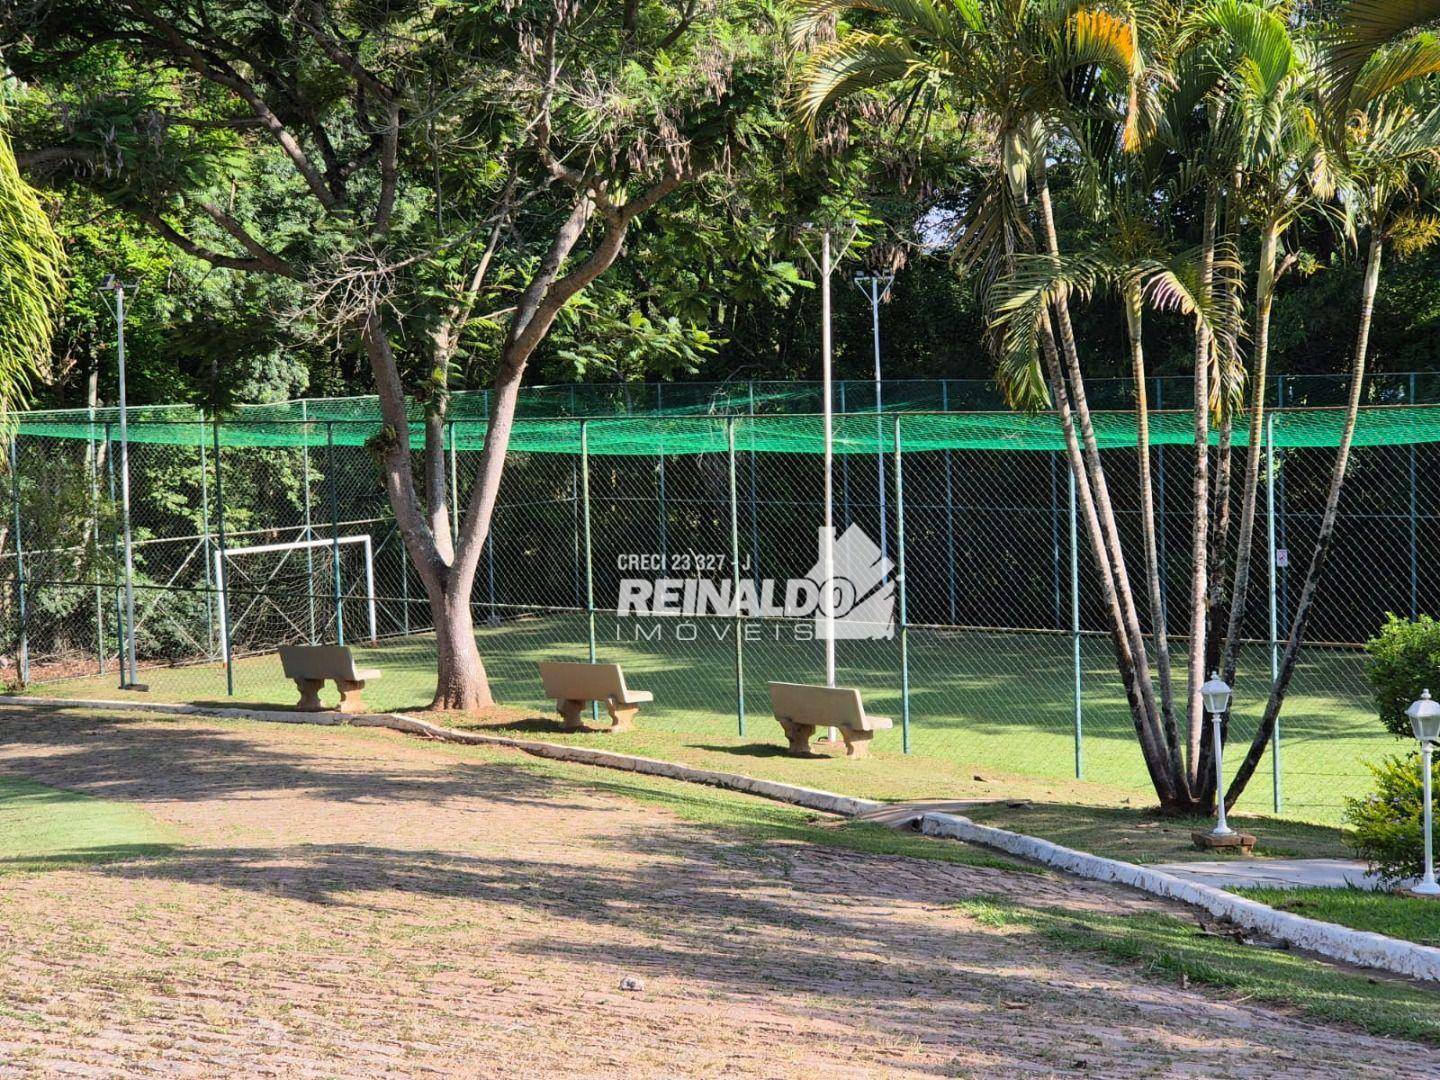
[[644, 436]]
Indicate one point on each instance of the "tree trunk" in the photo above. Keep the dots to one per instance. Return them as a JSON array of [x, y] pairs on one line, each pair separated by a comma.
[[1126, 629], [1134, 315], [1234, 604], [460, 682], [1325, 536], [1200, 497]]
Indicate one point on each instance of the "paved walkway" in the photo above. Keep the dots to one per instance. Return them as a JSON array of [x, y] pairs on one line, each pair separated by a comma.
[[1275, 873], [354, 903]]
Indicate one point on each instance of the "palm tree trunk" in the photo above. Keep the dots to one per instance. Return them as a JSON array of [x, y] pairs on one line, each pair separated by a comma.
[[1200, 495], [1173, 790], [1249, 497], [1134, 309], [1231, 609], [1325, 536]]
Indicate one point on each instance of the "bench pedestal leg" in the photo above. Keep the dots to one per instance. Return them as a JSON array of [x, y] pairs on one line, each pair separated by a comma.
[[857, 743], [309, 695], [623, 716], [799, 737], [569, 711], [350, 695]]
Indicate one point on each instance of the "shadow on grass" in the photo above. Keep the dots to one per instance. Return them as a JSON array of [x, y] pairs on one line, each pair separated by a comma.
[[80, 857], [759, 750]]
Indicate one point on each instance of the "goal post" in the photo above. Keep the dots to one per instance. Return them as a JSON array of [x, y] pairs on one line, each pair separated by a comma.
[[288, 547]]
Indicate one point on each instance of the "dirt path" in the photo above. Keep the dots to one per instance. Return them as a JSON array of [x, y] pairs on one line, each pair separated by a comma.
[[356, 904]]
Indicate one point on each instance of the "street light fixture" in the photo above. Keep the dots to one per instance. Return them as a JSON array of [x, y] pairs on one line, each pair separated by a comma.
[[1424, 717], [1216, 693]]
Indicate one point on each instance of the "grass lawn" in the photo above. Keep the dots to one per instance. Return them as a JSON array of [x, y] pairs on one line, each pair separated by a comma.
[[1171, 948], [43, 827], [987, 702], [1413, 918], [1140, 836]]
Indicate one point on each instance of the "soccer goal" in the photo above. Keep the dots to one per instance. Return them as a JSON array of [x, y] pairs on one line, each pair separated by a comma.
[[291, 572]]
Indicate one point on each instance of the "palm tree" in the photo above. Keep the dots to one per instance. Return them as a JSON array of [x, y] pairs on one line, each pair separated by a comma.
[[31, 281], [1018, 65], [1383, 138]]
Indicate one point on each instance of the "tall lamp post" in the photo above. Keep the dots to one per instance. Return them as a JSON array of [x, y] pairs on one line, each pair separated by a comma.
[[1424, 717], [118, 288], [876, 288]]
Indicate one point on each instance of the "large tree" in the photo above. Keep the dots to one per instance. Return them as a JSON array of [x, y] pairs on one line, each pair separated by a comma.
[[390, 159]]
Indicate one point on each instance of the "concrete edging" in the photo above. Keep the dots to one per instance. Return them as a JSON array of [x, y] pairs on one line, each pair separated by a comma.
[[1326, 939]]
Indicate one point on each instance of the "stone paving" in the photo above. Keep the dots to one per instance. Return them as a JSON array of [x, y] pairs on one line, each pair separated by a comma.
[[355, 903]]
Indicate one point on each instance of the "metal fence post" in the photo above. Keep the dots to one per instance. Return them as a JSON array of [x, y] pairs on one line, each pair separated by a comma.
[[1414, 524], [309, 531], [1273, 561], [949, 508], [754, 509], [22, 644], [335, 530], [900, 587], [454, 487], [222, 571], [844, 471], [1162, 557], [1075, 629], [206, 554], [1055, 572], [735, 581], [92, 461], [589, 561], [120, 632]]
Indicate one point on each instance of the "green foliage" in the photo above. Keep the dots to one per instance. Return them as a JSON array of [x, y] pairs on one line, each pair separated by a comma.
[[1404, 660], [1388, 822], [31, 281]]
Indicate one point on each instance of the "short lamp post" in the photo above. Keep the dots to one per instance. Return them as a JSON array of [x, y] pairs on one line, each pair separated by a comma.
[[1216, 694], [1424, 717]]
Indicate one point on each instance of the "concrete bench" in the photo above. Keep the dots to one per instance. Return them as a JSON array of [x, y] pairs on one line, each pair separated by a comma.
[[573, 686], [801, 709], [311, 665]]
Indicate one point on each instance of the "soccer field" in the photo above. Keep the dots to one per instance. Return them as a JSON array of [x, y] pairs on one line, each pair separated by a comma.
[[986, 699]]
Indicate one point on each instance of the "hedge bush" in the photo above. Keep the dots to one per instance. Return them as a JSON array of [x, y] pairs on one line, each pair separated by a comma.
[[1404, 659], [1388, 826]]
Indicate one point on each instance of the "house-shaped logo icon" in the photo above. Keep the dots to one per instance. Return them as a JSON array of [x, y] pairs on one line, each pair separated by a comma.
[[863, 591]]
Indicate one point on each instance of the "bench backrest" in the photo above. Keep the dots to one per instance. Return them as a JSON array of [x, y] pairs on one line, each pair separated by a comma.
[[563, 680], [318, 662], [823, 706]]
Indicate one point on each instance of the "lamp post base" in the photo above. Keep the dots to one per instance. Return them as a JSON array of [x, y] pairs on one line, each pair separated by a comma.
[[1208, 841], [1426, 888]]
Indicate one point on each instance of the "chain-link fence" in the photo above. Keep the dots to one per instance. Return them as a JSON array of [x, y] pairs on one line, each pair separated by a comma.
[[987, 646]]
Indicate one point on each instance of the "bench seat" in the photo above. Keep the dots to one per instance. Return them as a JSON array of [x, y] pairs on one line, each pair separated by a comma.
[[312, 665], [572, 686], [801, 708]]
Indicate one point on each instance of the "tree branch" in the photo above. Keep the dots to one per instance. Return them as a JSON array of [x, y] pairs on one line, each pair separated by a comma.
[[270, 265]]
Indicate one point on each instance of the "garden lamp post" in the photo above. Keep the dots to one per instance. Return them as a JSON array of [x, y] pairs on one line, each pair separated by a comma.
[[1216, 693], [1424, 717]]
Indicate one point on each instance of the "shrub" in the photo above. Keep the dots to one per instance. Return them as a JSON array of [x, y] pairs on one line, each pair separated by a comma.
[[1387, 822], [1404, 659]]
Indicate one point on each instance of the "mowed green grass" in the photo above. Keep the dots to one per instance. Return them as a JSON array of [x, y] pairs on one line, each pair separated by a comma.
[[44, 827], [1413, 918], [978, 700]]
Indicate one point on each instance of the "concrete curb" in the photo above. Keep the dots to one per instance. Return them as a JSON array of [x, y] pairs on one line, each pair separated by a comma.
[[1326, 939]]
